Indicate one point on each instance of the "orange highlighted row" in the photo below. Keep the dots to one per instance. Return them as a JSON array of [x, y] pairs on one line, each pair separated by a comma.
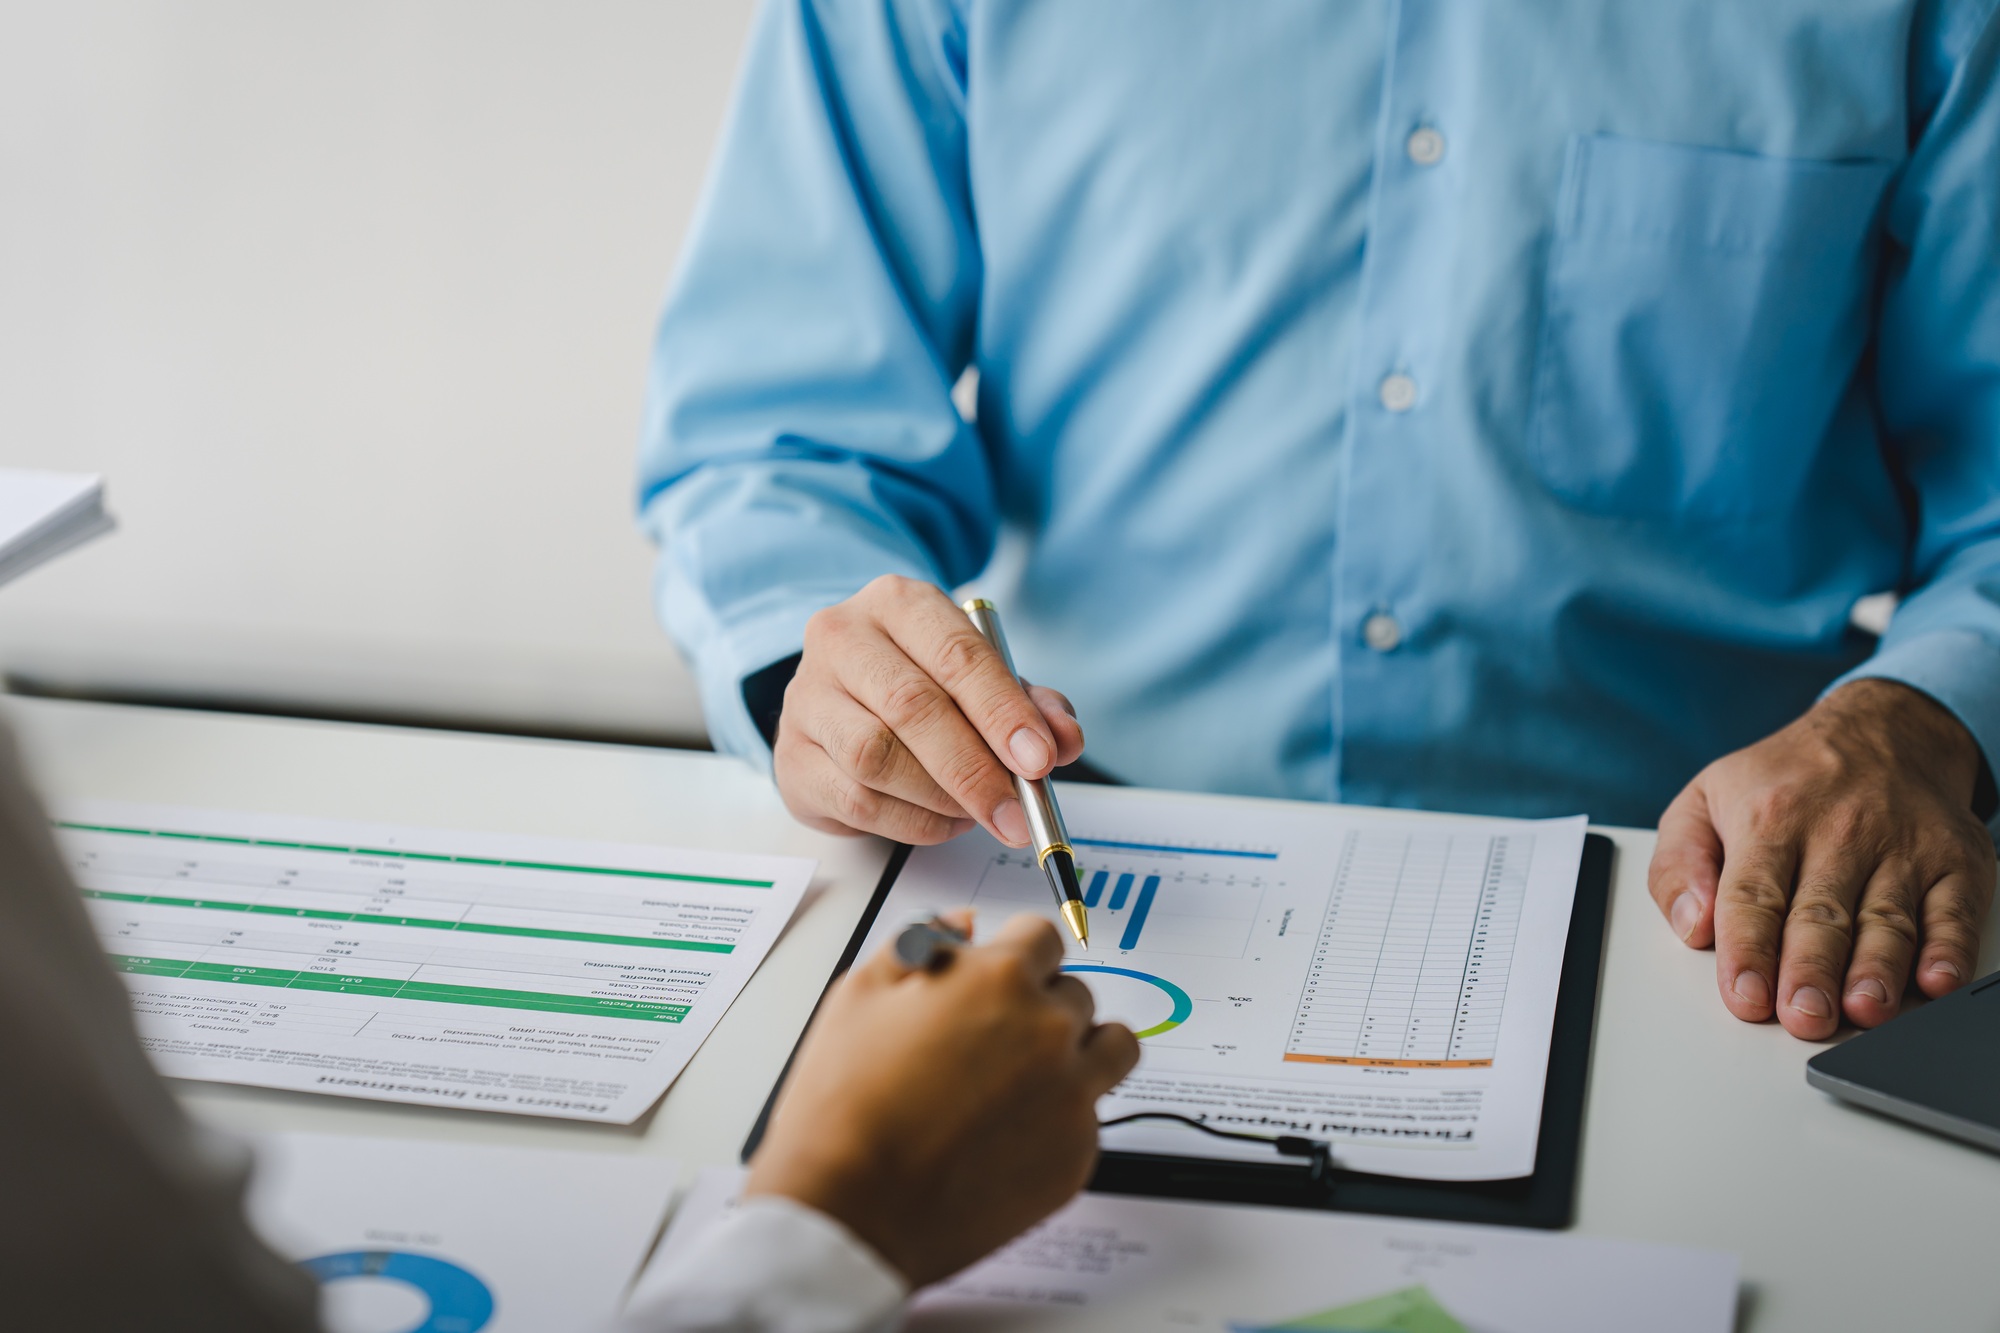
[[1388, 1064]]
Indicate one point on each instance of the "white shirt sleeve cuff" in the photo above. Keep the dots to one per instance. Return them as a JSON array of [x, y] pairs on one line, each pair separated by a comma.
[[773, 1265]]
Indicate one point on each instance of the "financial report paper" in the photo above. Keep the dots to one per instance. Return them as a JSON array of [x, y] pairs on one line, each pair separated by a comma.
[[531, 975], [1380, 980]]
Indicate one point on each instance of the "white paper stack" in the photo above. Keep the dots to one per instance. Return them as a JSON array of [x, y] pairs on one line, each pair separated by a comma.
[[43, 514], [1115, 1263]]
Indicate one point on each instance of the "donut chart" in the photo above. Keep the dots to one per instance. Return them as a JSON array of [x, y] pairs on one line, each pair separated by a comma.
[[460, 1302], [1183, 1003]]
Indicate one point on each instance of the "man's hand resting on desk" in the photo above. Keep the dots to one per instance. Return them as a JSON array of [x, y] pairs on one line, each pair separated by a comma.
[[939, 1114], [1825, 860], [893, 721]]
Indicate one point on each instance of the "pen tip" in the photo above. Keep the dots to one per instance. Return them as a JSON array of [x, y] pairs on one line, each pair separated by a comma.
[[1079, 924]]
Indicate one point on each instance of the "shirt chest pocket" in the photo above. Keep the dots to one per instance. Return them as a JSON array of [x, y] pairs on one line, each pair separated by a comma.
[[1703, 318]]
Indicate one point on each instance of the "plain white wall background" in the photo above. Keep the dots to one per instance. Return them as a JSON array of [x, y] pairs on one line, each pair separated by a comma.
[[351, 303]]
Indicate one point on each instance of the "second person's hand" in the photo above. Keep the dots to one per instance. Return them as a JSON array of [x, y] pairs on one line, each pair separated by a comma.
[[902, 720], [937, 1114]]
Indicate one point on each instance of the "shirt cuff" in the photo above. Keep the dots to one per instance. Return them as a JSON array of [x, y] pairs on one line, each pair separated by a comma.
[[1959, 669], [732, 658], [773, 1265]]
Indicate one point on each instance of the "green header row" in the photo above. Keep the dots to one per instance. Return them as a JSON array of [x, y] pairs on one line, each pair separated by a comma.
[[411, 856], [389, 988]]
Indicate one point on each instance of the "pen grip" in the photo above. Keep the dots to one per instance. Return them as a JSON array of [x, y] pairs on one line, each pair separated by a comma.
[[1045, 823]]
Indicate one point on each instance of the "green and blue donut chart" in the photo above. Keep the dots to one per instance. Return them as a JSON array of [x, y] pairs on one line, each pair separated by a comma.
[[1182, 1002], [460, 1302]]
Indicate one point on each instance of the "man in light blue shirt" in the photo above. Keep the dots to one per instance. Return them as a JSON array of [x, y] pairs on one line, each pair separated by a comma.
[[1407, 402]]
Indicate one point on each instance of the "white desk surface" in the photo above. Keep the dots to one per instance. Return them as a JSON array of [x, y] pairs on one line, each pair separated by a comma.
[[1700, 1129]]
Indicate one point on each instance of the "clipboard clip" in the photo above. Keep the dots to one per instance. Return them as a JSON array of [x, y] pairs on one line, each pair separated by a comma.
[[1317, 1153]]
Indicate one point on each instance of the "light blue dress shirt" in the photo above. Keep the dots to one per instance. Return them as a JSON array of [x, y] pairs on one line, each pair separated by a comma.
[[1474, 405]]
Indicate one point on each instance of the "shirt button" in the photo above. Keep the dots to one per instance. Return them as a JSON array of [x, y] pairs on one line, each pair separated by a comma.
[[1425, 147], [1399, 393], [1381, 632]]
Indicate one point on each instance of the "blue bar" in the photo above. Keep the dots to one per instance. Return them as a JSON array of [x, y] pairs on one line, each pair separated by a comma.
[[1096, 889], [1119, 894], [1137, 922]]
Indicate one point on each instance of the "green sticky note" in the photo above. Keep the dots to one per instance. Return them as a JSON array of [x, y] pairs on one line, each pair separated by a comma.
[[1411, 1310]]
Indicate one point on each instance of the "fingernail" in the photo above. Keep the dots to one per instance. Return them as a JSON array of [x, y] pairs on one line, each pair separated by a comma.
[[1031, 752], [1013, 825], [1811, 1001], [1869, 989], [1685, 914], [1751, 988], [1944, 967]]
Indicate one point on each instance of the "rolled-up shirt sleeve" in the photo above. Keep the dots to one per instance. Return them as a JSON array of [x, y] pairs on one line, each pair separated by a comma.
[[773, 1266], [1938, 373], [800, 435]]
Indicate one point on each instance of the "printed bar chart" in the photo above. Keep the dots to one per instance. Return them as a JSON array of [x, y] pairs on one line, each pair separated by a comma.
[[1148, 903]]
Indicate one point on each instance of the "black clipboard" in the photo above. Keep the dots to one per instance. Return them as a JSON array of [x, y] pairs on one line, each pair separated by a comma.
[[1545, 1199]]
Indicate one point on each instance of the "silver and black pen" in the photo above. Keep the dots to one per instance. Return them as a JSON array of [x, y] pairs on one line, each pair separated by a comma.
[[1046, 833]]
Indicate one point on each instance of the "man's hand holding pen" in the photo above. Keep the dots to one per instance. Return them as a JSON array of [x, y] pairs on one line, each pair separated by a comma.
[[903, 721]]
